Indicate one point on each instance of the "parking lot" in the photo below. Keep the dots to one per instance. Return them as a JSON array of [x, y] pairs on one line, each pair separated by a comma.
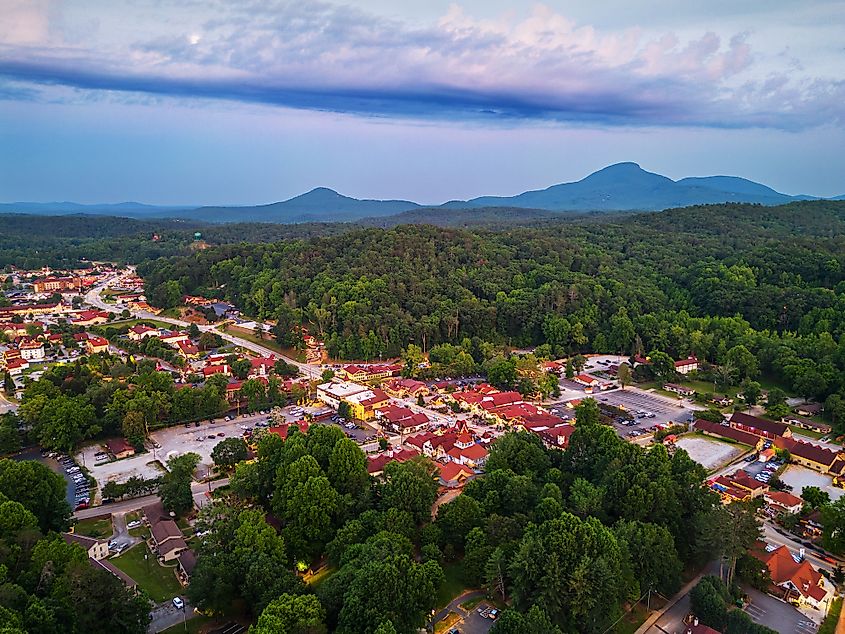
[[633, 400], [778, 615], [708, 452], [799, 477], [181, 439]]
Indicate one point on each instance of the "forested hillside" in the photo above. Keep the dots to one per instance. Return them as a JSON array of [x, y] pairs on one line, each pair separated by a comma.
[[696, 280]]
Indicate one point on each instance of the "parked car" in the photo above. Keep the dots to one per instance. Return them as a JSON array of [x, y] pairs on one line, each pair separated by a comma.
[[178, 603]]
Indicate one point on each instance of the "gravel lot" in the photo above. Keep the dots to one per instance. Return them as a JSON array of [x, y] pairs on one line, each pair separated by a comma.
[[799, 477], [708, 453]]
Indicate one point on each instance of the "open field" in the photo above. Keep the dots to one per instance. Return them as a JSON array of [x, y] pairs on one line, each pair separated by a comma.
[[98, 529], [707, 452]]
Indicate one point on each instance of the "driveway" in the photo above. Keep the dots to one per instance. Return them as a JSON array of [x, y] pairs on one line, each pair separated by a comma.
[[121, 534], [166, 615]]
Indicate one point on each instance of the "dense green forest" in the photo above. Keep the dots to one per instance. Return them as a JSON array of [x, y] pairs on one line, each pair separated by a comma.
[[698, 280]]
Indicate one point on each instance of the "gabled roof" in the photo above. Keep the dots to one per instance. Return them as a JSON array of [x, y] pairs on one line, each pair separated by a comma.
[[452, 471], [782, 498], [783, 568], [808, 451], [746, 438], [761, 424], [165, 529]]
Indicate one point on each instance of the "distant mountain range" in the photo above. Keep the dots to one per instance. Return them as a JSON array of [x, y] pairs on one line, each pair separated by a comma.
[[619, 187]]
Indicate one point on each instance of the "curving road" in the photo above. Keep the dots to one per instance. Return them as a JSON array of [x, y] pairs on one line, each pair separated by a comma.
[[93, 298]]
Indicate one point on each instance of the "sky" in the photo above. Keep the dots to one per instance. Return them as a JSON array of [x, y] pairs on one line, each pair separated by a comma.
[[251, 101]]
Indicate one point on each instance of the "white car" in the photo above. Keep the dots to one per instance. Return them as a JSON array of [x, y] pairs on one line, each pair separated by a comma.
[[178, 603], [134, 524]]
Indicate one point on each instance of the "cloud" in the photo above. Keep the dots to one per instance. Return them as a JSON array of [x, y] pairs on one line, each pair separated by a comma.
[[317, 55]]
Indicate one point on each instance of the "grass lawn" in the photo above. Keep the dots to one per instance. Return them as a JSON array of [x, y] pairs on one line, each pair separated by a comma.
[[98, 529], [631, 622], [470, 605], [828, 626], [447, 623], [453, 585], [267, 342], [153, 323], [320, 576], [159, 582]]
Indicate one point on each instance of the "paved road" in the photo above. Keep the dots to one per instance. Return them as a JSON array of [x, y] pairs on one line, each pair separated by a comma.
[[771, 536], [166, 615], [471, 622], [198, 490], [93, 298], [778, 615], [6, 405]]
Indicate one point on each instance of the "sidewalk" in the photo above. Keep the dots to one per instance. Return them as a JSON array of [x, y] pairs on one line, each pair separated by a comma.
[[655, 616]]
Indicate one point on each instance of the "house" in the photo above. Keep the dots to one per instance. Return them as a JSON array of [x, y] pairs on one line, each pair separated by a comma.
[[377, 463], [187, 349], [401, 388], [402, 420], [95, 345], [556, 437], [681, 390], [119, 448], [586, 380], [187, 561], [738, 487], [453, 475], [90, 318], [783, 501], [807, 423], [262, 366], [802, 584], [140, 331], [724, 431], [283, 430], [211, 370], [97, 549], [809, 409], [32, 350], [172, 338], [685, 366], [17, 366], [759, 426], [172, 548]]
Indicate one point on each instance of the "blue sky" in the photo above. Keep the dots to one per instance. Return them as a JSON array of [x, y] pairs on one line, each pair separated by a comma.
[[229, 101]]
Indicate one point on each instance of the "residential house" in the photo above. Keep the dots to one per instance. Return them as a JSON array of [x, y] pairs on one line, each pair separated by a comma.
[[377, 463], [168, 539], [140, 331], [807, 423], [685, 366], [172, 338], [262, 366], [809, 409], [783, 501], [802, 584], [586, 380], [90, 318], [188, 349], [95, 345], [759, 426], [454, 475], [211, 370], [681, 390], [17, 366], [119, 448], [556, 437], [97, 549], [187, 561]]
